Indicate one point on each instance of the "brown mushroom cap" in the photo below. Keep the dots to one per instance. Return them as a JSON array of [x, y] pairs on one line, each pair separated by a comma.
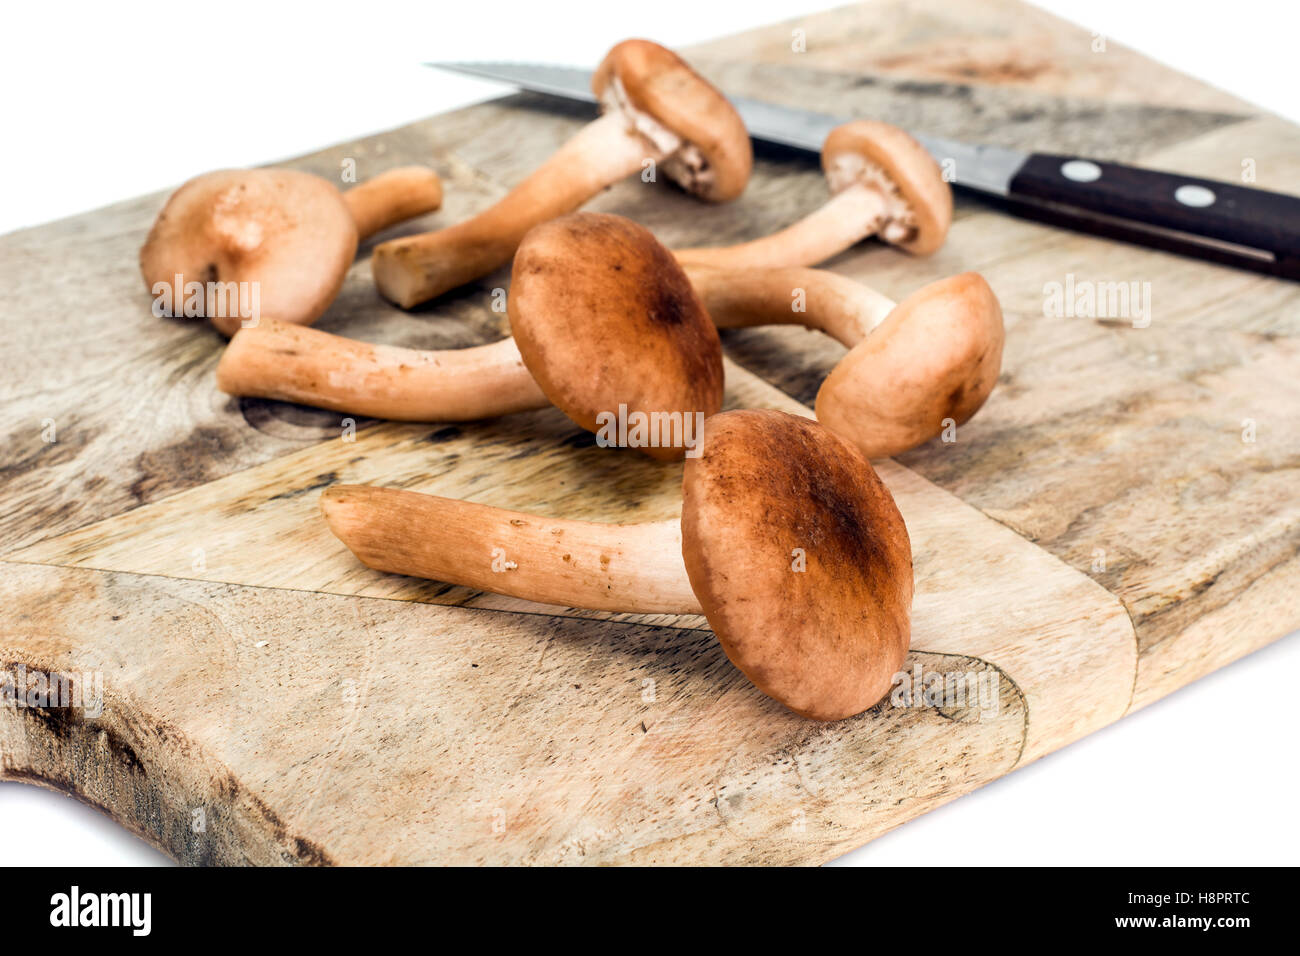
[[937, 355], [603, 315], [825, 641], [290, 232], [659, 82], [908, 167]]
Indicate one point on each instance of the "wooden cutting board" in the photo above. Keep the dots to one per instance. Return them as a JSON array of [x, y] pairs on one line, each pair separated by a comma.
[[1099, 535]]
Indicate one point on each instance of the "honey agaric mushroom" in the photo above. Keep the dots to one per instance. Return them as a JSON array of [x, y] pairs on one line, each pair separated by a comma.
[[291, 234], [789, 543], [911, 366], [655, 108], [882, 183], [603, 317]]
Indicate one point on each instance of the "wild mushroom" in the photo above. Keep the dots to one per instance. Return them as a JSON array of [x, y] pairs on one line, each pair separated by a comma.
[[604, 319], [911, 366], [609, 324], [789, 543], [882, 183], [289, 235], [655, 108]]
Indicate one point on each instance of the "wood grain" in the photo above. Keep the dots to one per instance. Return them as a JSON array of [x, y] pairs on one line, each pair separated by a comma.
[[363, 751], [1097, 536]]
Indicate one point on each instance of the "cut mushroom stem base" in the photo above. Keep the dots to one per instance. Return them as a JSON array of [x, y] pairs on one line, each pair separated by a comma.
[[418, 268], [294, 363], [847, 218], [636, 568]]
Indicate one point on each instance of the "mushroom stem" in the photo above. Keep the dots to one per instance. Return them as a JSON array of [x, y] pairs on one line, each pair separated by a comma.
[[393, 196], [636, 567], [417, 268], [294, 363], [846, 218], [845, 310]]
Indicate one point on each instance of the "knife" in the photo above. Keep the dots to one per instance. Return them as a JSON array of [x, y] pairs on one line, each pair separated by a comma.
[[1217, 221]]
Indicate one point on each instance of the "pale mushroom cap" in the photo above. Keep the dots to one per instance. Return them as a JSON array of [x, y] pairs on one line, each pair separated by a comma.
[[936, 356], [771, 493], [659, 82], [906, 164], [289, 232], [603, 315]]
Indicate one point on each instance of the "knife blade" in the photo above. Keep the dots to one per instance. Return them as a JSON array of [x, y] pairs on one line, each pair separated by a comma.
[[1217, 221]]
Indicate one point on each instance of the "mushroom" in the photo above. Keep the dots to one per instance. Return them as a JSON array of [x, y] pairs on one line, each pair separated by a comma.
[[604, 319], [655, 108], [291, 236], [911, 366], [882, 182], [789, 544]]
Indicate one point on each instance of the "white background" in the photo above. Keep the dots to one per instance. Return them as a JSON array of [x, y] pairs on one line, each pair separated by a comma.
[[108, 101]]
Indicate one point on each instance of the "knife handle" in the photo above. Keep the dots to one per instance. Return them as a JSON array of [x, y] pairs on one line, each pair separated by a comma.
[[1222, 222]]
